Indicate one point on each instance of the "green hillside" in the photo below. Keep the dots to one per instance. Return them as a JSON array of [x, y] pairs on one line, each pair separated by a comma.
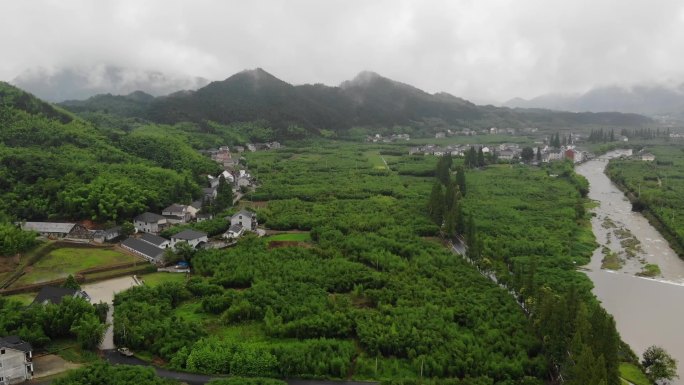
[[56, 166]]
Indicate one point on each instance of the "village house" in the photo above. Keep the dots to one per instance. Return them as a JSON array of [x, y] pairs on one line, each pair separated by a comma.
[[647, 157], [54, 295], [144, 249], [246, 219], [234, 232], [213, 181], [506, 154], [552, 156], [176, 213], [16, 360], [228, 176], [58, 230], [149, 222], [204, 217], [210, 193], [156, 240], [108, 235], [192, 237]]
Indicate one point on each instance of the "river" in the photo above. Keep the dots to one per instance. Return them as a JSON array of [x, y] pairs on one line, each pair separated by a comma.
[[646, 310]]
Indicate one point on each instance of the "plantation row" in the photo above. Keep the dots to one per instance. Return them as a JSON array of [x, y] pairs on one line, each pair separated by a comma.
[[369, 297]]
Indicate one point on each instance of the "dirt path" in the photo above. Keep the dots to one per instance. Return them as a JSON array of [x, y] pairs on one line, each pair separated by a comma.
[[51, 364]]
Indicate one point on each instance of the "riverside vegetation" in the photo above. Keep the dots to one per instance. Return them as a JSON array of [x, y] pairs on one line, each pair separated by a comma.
[[656, 189]]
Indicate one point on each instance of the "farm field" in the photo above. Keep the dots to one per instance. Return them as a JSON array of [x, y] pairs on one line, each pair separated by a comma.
[[155, 279], [292, 237], [62, 261], [371, 298]]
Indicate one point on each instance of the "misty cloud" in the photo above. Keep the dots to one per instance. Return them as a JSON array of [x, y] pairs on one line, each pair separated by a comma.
[[485, 50]]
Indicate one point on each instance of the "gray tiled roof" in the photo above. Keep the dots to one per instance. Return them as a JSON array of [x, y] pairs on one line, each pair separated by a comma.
[[16, 343], [48, 227], [189, 235], [235, 228], [53, 294], [147, 249], [175, 208], [153, 239], [149, 217], [246, 213]]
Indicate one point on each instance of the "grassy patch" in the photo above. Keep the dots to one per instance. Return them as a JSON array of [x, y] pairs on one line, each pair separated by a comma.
[[294, 237], [61, 262], [156, 279], [608, 223], [24, 298], [611, 261], [71, 351], [650, 270], [633, 374], [375, 159]]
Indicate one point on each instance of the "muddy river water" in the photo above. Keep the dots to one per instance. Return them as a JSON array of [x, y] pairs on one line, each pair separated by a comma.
[[647, 311]]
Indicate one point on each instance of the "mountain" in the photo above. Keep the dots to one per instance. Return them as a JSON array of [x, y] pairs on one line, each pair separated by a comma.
[[133, 104], [81, 83], [654, 100], [367, 100]]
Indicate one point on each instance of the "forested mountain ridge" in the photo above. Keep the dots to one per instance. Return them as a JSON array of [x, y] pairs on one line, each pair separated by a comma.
[[56, 166], [367, 100], [13, 97]]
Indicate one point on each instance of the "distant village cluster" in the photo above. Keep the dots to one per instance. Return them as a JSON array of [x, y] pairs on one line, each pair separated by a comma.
[[503, 152], [486, 131], [378, 138]]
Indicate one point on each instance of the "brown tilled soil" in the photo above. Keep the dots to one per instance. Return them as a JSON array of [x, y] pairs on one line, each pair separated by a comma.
[[276, 244], [8, 264]]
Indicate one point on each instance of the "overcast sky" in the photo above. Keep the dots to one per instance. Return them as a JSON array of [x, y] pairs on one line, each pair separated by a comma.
[[484, 50]]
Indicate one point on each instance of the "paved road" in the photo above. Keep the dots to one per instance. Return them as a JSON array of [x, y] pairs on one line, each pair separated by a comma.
[[114, 357], [104, 291]]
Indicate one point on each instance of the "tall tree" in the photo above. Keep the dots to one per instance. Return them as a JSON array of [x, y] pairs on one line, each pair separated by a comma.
[[224, 195], [659, 365], [527, 154], [480, 158], [461, 180], [436, 203]]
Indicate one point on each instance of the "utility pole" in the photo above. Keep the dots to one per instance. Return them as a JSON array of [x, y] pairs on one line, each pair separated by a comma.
[[422, 361]]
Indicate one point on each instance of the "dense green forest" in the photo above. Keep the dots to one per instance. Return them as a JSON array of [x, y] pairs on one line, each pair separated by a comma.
[[369, 100], [73, 318], [656, 188], [56, 166], [388, 301]]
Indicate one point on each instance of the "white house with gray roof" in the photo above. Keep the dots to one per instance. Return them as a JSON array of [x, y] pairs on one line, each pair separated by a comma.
[[144, 249], [16, 360], [156, 240], [192, 237], [57, 230], [177, 214], [234, 232], [246, 219], [149, 222]]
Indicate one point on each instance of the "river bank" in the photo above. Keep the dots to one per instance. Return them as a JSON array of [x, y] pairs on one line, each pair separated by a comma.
[[645, 309]]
